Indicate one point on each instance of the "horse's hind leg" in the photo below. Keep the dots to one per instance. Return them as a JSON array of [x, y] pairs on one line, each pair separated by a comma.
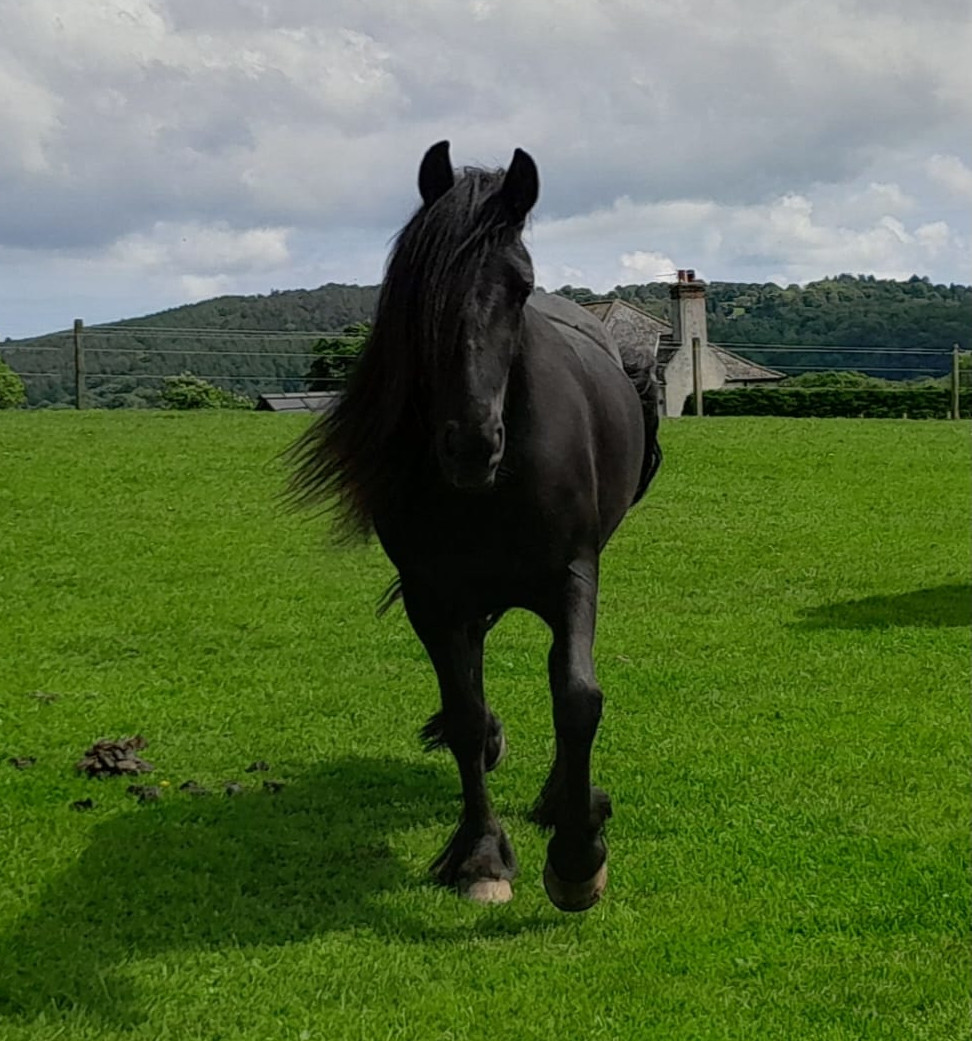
[[478, 861], [576, 871], [494, 751]]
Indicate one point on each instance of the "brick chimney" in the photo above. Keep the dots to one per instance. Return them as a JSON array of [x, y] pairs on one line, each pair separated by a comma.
[[688, 310]]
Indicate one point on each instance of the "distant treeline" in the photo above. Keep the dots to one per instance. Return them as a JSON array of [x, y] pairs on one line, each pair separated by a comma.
[[846, 311]]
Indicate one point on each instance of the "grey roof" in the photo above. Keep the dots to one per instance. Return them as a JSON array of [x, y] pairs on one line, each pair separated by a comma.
[[602, 309], [636, 331], [305, 401], [740, 370], [599, 308]]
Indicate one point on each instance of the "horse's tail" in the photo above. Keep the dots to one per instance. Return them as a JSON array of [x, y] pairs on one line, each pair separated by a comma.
[[641, 371]]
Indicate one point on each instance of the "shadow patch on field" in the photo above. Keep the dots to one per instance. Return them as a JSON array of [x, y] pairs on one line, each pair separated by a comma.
[[258, 868], [947, 606]]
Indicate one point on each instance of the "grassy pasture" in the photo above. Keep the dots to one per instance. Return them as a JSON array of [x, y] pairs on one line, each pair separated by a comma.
[[784, 643]]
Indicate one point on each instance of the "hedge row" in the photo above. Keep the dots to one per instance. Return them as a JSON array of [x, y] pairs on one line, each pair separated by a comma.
[[868, 403]]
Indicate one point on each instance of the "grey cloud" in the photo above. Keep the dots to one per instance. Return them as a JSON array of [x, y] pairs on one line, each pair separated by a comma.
[[314, 116], [643, 103]]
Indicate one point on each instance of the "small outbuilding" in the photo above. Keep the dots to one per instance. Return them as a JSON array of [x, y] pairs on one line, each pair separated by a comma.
[[302, 401]]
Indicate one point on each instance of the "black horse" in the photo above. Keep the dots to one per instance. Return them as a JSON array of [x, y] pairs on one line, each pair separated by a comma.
[[493, 438]]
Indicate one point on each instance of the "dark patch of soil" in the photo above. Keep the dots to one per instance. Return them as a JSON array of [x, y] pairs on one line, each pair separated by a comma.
[[145, 792], [115, 758]]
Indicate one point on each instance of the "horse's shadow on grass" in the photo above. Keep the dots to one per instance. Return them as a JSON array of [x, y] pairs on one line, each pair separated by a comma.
[[258, 868], [948, 606]]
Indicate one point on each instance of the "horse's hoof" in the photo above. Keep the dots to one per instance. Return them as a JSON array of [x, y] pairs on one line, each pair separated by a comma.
[[574, 896], [488, 891]]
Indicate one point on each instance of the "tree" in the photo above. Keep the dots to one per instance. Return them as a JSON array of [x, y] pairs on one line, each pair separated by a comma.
[[336, 357], [12, 391], [188, 392]]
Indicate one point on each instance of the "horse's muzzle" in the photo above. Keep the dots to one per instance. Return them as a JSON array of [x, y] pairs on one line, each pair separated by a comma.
[[470, 456]]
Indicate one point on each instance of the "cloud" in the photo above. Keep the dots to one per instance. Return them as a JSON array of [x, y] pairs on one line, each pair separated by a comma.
[[204, 287], [646, 266], [782, 240], [935, 238], [317, 112], [119, 117], [879, 200], [202, 250], [950, 172], [28, 119], [167, 265]]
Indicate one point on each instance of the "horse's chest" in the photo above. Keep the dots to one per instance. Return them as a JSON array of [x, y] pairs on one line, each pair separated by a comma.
[[481, 538]]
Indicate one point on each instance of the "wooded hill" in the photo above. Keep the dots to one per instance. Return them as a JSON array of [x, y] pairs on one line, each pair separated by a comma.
[[248, 344], [251, 343]]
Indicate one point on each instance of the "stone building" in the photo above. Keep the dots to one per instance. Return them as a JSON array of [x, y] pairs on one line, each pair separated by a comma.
[[670, 345]]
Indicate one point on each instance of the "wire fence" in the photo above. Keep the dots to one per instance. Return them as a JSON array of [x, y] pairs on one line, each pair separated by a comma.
[[931, 363], [126, 365]]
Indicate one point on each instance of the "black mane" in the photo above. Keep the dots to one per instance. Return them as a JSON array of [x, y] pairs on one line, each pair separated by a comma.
[[363, 451]]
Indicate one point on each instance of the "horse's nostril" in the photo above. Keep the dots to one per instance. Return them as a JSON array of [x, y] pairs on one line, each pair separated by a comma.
[[450, 439], [473, 450]]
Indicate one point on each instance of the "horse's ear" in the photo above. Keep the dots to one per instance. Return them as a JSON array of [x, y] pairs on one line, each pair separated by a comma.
[[435, 173], [521, 186]]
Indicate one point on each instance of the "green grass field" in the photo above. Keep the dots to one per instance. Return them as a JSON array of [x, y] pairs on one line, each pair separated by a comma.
[[784, 645]]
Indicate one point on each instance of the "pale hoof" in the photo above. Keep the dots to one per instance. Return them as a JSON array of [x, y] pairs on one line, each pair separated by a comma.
[[488, 891], [574, 896]]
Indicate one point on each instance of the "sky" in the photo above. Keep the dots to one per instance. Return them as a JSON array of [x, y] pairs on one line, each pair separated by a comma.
[[158, 152]]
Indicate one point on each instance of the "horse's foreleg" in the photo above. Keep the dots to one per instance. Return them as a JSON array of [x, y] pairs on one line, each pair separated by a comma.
[[576, 871], [478, 860]]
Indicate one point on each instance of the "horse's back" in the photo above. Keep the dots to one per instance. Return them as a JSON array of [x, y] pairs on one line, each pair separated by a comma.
[[590, 418], [577, 326]]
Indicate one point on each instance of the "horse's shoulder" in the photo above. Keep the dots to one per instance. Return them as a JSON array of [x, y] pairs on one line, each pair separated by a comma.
[[580, 328]]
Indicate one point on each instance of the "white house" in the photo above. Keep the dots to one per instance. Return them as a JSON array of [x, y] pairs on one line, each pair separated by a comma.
[[670, 345]]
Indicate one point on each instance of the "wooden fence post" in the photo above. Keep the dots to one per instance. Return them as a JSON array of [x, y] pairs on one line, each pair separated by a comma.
[[697, 374], [955, 382], [78, 364]]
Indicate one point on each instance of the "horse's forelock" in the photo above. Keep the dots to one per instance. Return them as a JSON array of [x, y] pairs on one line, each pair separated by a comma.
[[358, 454], [434, 263]]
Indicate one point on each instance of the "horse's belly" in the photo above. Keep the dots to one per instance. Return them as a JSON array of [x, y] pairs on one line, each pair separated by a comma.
[[483, 542]]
